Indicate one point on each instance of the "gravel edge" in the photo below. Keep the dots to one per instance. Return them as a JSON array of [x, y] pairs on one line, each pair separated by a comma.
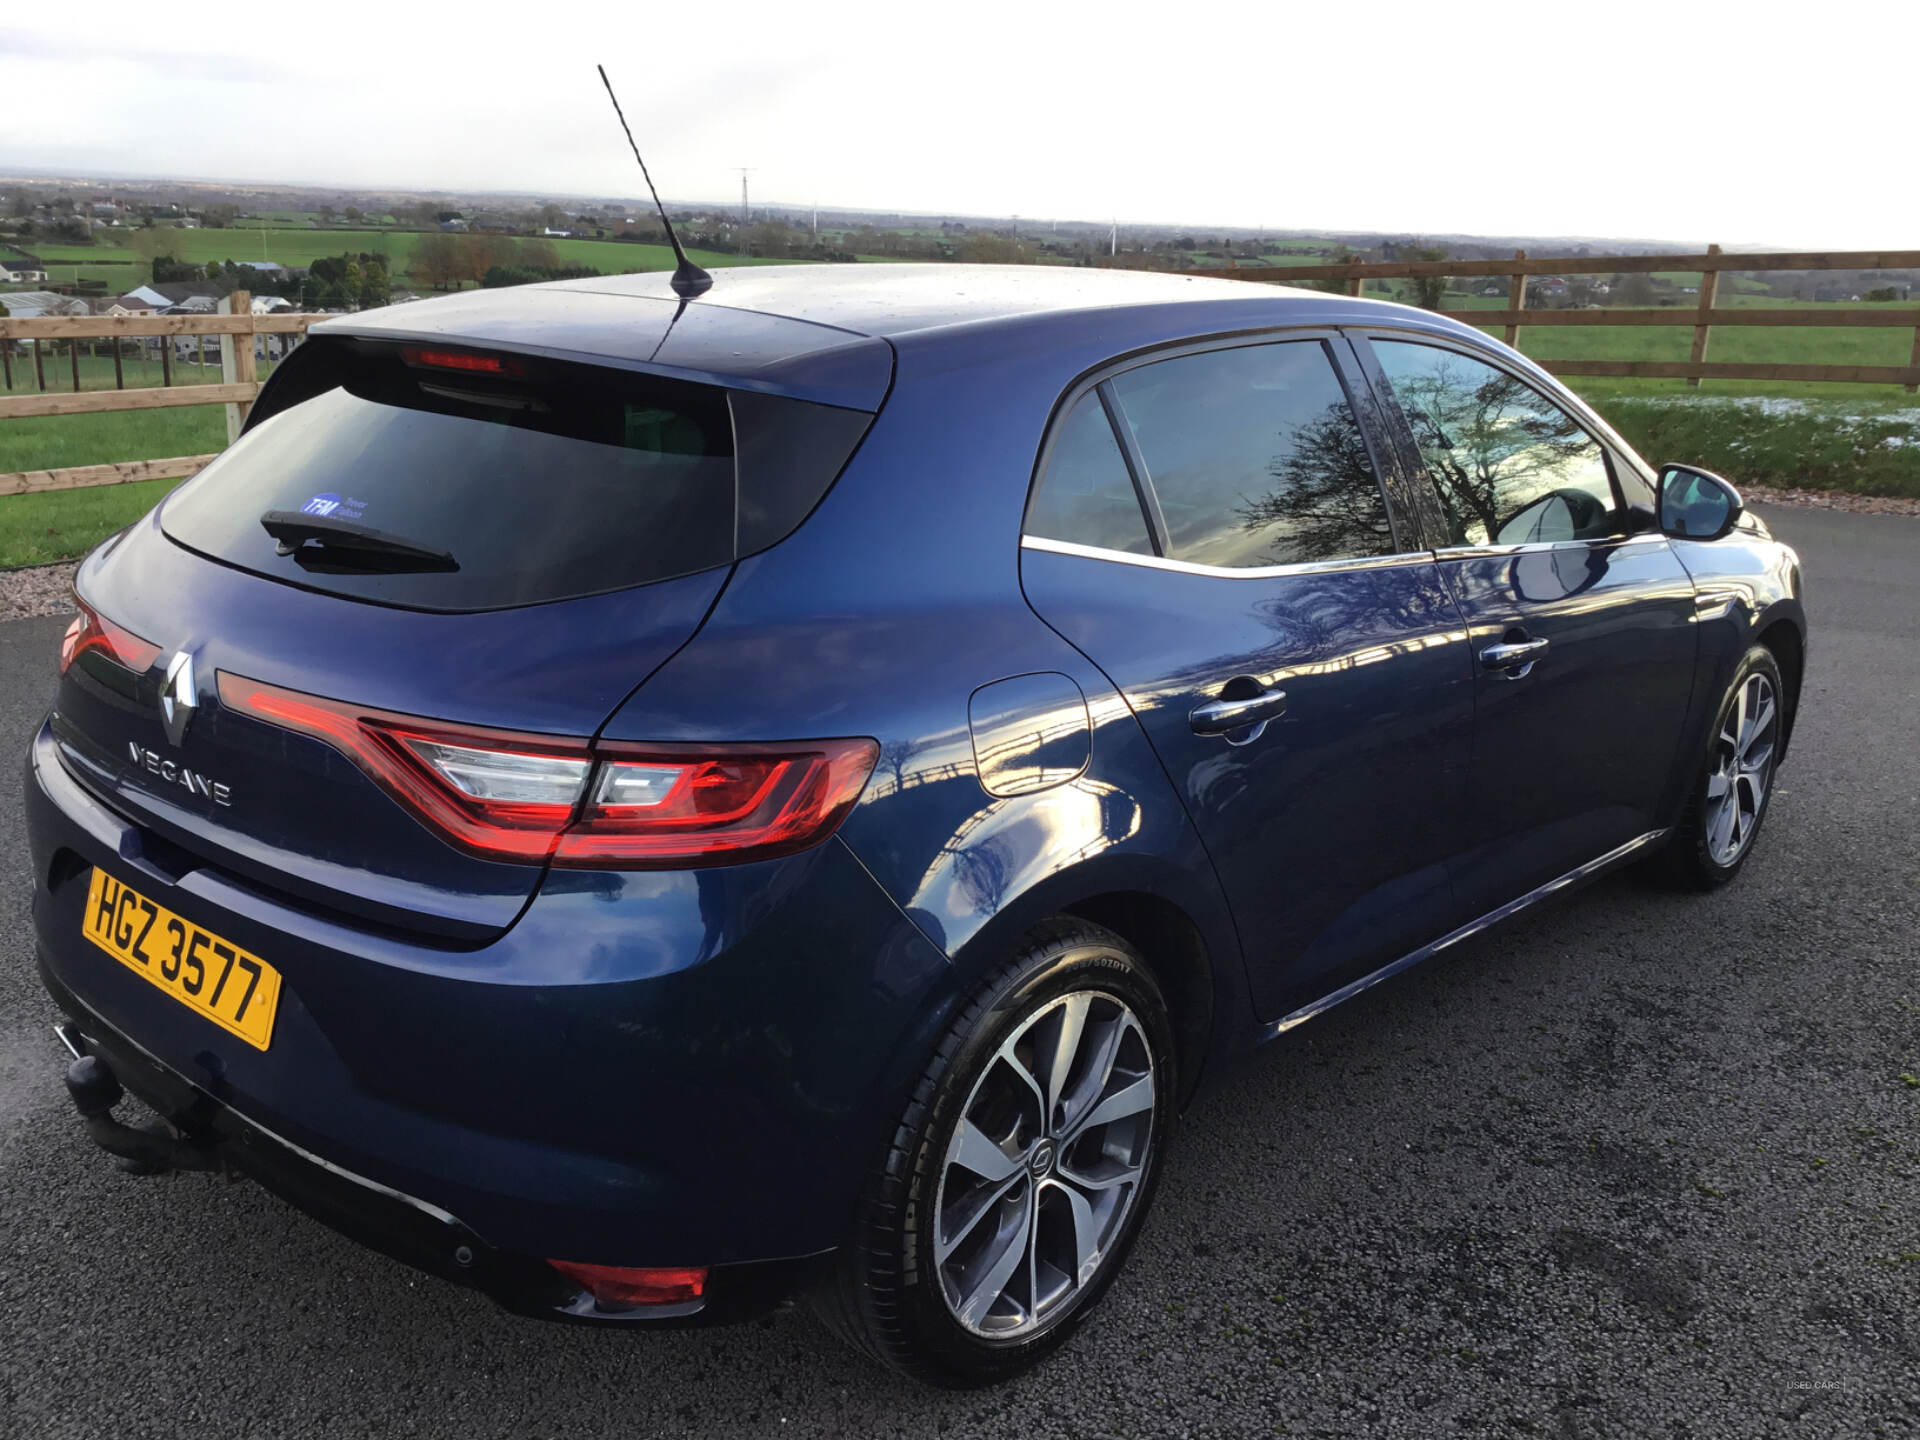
[[37, 590]]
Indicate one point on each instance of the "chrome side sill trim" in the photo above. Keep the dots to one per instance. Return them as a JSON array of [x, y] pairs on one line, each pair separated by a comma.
[[1467, 931], [1225, 572]]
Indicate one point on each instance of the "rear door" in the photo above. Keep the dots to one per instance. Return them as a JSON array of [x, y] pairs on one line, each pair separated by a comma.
[[1211, 528], [1581, 618]]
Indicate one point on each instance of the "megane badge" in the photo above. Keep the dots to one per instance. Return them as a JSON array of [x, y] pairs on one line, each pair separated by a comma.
[[177, 698]]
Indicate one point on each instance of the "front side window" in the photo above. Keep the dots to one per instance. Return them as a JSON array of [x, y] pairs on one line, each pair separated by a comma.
[[1511, 467], [1255, 456]]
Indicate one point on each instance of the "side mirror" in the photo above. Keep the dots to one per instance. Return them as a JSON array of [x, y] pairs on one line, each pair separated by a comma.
[[1697, 504]]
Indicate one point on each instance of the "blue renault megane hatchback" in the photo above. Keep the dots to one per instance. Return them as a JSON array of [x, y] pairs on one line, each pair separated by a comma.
[[648, 807]]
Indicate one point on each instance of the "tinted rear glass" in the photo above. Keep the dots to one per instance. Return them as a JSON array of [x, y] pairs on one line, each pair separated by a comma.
[[542, 480]]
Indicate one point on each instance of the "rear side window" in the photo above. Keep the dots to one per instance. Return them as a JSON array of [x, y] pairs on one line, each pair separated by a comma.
[[1255, 456], [1086, 495], [541, 480]]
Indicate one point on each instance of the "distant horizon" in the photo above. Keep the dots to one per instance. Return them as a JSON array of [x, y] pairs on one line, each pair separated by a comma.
[[41, 175]]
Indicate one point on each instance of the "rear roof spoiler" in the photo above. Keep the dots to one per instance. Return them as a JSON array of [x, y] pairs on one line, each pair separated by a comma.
[[705, 343]]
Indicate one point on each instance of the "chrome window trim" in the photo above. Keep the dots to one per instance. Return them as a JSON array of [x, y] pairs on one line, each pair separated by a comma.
[[1483, 552], [1227, 572], [1326, 333]]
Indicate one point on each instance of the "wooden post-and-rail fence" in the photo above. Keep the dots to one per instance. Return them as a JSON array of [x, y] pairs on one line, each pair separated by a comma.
[[239, 383], [1703, 318], [238, 387]]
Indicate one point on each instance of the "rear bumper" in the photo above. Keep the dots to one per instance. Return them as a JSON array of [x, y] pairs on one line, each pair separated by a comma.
[[404, 1227], [648, 1069]]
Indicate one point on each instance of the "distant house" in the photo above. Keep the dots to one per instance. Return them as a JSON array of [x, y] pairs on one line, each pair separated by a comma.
[[123, 305], [26, 304], [265, 267], [270, 304], [22, 272], [453, 225], [560, 233], [195, 305], [149, 296], [176, 292]]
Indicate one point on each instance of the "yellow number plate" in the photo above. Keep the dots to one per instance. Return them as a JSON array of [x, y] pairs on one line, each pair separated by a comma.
[[210, 976]]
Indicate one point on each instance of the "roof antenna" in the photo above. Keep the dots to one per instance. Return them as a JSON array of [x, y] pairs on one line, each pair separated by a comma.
[[689, 279]]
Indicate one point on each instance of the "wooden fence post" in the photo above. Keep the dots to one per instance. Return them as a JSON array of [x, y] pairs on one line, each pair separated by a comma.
[[73, 355], [119, 381], [236, 361], [1709, 289], [6, 359], [1516, 300], [166, 360], [1914, 359], [1357, 286], [39, 367]]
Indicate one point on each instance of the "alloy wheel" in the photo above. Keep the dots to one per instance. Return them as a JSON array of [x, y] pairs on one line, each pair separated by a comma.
[[1044, 1165], [1742, 770]]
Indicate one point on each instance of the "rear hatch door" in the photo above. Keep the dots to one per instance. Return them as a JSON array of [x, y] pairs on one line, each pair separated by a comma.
[[454, 533]]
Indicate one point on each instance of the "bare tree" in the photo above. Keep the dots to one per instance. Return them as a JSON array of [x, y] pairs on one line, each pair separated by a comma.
[[436, 260]]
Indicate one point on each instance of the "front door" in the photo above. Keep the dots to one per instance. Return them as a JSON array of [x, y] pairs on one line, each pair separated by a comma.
[[1210, 529], [1581, 619]]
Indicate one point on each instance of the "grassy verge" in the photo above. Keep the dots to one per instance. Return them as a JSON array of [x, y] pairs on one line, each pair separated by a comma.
[[58, 525], [53, 442], [1868, 447], [39, 529]]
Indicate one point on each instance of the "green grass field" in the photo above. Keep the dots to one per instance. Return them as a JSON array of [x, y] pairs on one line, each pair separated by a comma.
[[40, 529], [119, 264]]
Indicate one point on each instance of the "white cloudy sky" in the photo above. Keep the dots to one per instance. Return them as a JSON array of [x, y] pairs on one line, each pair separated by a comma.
[[1685, 120]]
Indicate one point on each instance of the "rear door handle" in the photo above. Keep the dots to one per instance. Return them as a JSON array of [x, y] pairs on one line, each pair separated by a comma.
[[1516, 657], [1220, 717]]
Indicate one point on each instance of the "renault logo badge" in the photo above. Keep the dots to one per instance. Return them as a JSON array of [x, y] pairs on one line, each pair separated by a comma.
[[177, 698]]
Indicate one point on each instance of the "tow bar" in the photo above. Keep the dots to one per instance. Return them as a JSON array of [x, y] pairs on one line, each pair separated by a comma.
[[142, 1150]]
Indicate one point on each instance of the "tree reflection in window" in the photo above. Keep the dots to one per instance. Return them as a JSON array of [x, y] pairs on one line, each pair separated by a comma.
[[1509, 465], [1255, 456], [1327, 504]]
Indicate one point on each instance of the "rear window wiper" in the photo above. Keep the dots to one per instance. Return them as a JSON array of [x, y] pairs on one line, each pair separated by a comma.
[[343, 545]]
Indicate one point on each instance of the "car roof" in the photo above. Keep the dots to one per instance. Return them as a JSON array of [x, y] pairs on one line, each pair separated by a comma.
[[828, 333], [889, 301]]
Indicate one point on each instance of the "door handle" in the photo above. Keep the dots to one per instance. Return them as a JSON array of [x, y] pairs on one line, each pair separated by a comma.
[[1220, 717], [1516, 657]]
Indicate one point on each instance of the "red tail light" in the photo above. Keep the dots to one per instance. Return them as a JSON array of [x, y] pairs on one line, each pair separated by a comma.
[[91, 630], [680, 804], [505, 795], [619, 1285]]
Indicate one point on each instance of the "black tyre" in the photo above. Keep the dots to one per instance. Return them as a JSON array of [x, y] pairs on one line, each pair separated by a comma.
[[1734, 786], [1019, 1175]]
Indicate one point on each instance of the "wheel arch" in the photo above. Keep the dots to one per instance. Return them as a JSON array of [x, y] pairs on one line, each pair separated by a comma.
[[1178, 921], [1177, 954], [1789, 646]]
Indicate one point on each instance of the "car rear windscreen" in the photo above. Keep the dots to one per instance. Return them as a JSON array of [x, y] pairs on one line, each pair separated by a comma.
[[447, 479]]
